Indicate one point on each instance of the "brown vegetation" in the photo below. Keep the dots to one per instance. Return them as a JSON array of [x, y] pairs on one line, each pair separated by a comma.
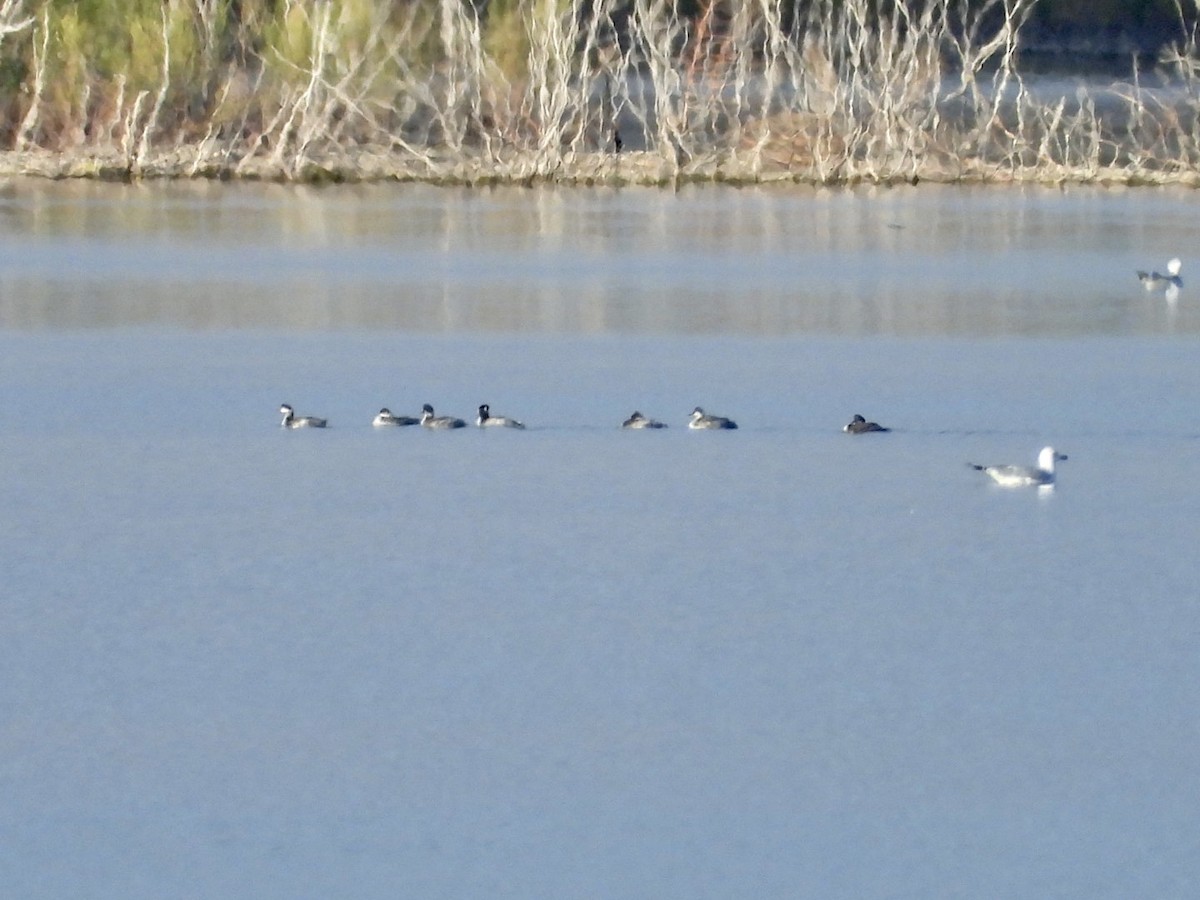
[[600, 91]]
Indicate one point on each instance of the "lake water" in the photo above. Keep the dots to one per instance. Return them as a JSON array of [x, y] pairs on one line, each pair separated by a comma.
[[571, 661]]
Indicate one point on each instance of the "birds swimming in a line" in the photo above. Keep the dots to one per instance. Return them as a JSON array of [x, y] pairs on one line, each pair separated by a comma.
[[859, 425], [1041, 475], [291, 420], [701, 419], [487, 420], [429, 420], [1170, 283], [385, 419], [638, 421]]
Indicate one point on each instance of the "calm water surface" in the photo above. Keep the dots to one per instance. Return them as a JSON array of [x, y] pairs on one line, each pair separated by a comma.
[[572, 661], [901, 261]]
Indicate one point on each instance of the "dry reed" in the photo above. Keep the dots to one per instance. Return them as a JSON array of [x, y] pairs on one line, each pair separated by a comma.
[[612, 91]]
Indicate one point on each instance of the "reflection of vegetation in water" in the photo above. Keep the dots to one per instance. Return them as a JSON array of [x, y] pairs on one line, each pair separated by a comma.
[[828, 91]]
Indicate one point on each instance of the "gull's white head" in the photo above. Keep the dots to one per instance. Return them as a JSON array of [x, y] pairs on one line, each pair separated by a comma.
[[1048, 457], [1175, 265]]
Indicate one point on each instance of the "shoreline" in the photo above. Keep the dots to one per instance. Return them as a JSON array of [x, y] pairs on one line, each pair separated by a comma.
[[369, 165]]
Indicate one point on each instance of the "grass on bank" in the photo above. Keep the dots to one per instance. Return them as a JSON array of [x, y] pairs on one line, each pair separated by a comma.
[[523, 90]]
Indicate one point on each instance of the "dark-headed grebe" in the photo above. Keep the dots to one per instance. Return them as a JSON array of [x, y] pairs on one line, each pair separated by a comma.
[[291, 420], [701, 419], [429, 420], [487, 420], [859, 425], [385, 419], [637, 420]]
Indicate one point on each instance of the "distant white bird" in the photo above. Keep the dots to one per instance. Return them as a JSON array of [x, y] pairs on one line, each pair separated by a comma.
[[1041, 475], [386, 418], [429, 420], [487, 420], [1170, 283], [291, 420], [701, 419], [638, 421]]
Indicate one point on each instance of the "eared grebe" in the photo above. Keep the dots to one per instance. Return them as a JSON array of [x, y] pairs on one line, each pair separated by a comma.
[[637, 420], [291, 420], [859, 425], [429, 420], [700, 419], [385, 419], [487, 420], [1041, 475]]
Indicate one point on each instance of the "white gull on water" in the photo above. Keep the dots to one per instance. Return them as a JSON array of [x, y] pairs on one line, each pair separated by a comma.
[[1170, 283], [1041, 475]]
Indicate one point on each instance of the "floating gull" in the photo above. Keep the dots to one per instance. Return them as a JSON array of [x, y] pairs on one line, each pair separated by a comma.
[[637, 420], [859, 425], [1170, 283], [291, 420], [385, 418], [429, 420], [486, 419], [1041, 475], [701, 419]]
